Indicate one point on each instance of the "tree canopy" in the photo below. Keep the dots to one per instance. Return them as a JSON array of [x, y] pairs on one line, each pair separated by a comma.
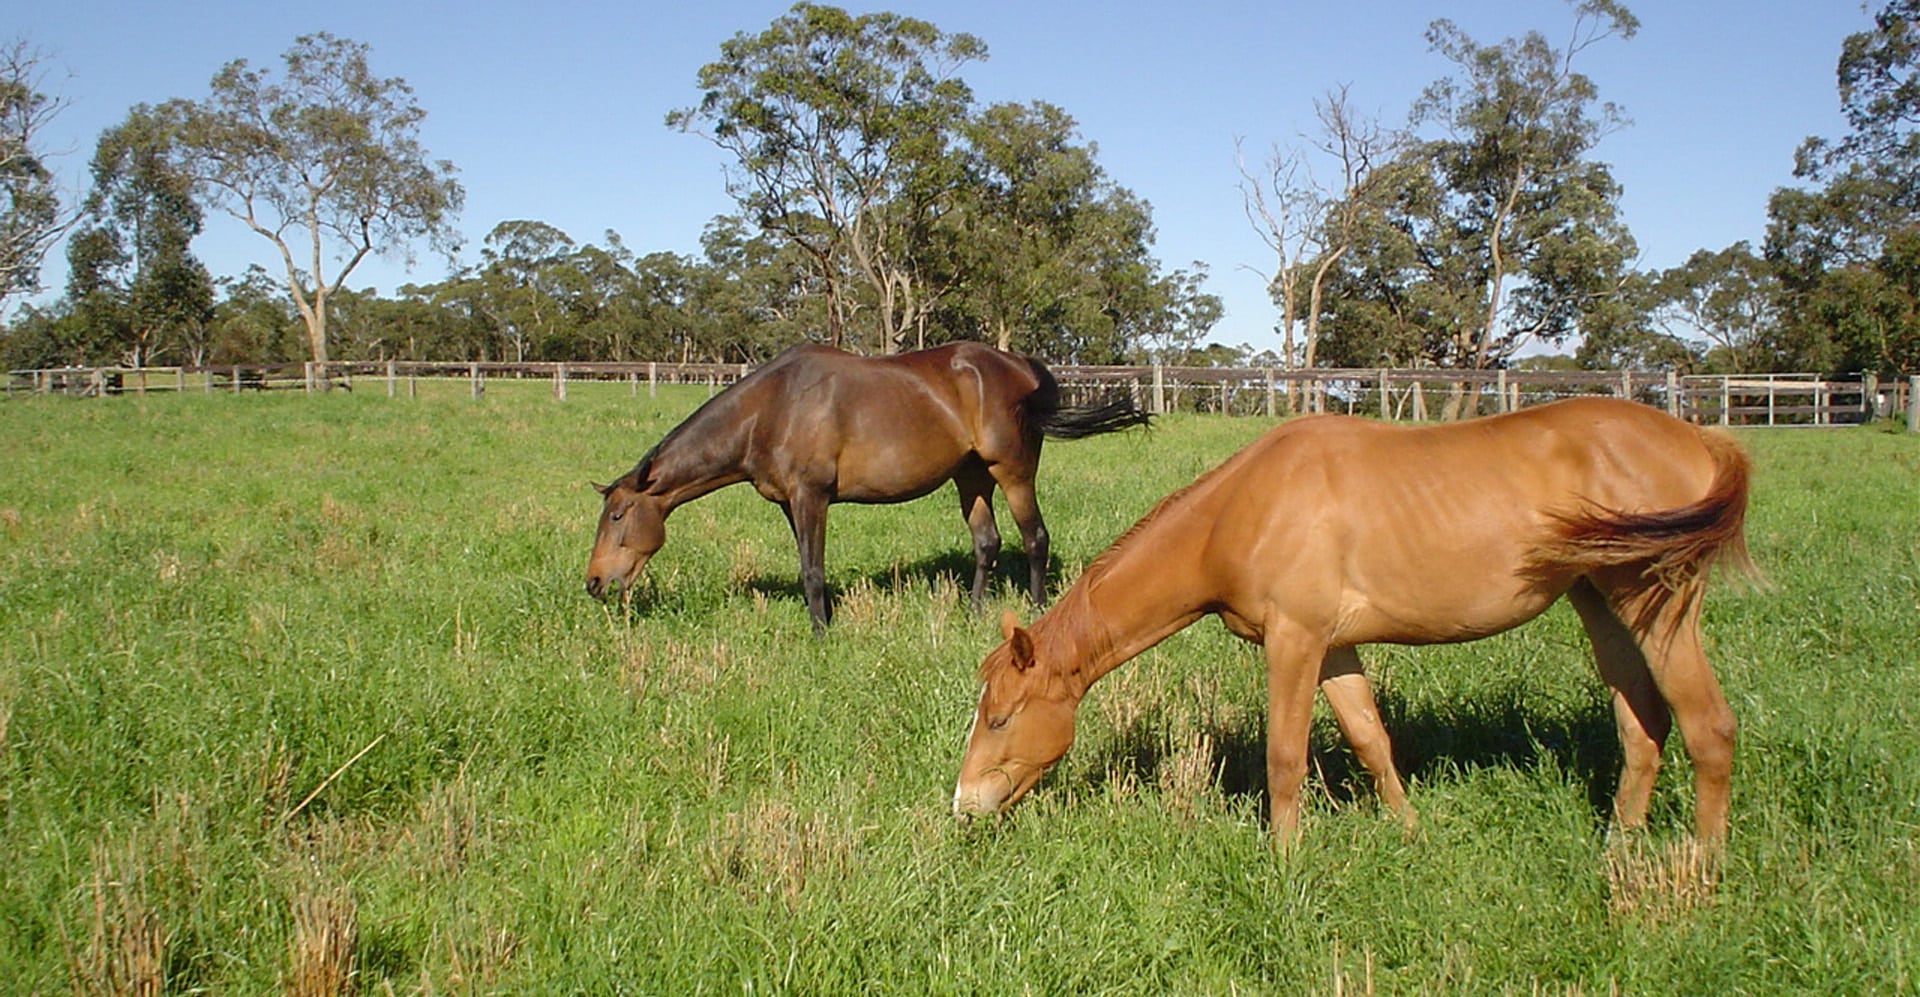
[[877, 205], [323, 160]]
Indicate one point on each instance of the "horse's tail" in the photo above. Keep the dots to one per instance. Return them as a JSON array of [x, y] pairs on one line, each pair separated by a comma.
[[1042, 410], [1115, 413], [1677, 546]]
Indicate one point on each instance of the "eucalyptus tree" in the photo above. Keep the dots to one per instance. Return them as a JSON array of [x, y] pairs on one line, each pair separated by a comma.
[[1502, 228], [1310, 224], [135, 250], [31, 219], [1730, 299], [1845, 249], [323, 160], [841, 128], [1521, 197], [1047, 242], [521, 282]]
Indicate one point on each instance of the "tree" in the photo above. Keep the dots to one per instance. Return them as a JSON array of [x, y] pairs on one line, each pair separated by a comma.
[[1843, 251], [1730, 298], [134, 255], [1049, 254], [1310, 227], [324, 162], [841, 127], [1519, 193], [31, 220]]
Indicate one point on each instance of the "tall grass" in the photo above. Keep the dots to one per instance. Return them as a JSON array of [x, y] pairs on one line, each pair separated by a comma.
[[302, 694]]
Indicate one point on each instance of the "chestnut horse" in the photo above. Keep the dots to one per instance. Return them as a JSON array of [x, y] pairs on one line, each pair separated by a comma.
[[1331, 532], [815, 426]]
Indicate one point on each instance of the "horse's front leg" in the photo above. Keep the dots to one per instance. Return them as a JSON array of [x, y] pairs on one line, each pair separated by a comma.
[[1293, 669], [976, 507], [807, 514]]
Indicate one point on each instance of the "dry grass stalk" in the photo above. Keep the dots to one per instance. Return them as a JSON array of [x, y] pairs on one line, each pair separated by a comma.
[[1188, 776], [320, 950], [743, 566], [448, 825], [1343, 986], [475, 965], [768, 850], [862, 604], [126, 951], [672, 667], [1653, 885]]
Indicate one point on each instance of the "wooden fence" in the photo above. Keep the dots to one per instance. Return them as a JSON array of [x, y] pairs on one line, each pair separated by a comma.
[[1737, 400]]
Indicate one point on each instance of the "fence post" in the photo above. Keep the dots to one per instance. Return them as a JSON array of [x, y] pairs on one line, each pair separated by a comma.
[[1500, 390], [1386, 398], [308, 370], [1159, 390], [653, 379], [1913, 404], [473, 374], [1673, 397], [1726, 400], [1269, 373], [560, 382]]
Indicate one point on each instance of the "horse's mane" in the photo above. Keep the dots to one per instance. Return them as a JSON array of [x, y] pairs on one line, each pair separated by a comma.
[[1103, 563], [724, 397]]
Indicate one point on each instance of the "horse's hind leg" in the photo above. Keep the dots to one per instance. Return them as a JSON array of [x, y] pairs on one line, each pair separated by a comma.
[[1033, 531], [1665, 624], [1345, 685], [1639, 714], [976, 507]]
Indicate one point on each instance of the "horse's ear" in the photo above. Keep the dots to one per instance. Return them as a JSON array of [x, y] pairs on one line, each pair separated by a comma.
[[602, 489], [1019, 642], [1008, 624]]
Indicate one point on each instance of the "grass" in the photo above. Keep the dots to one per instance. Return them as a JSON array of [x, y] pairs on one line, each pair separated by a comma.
[[301, 694]]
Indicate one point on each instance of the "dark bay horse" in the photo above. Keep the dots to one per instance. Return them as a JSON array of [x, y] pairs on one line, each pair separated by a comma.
[[1331, 531], [816, 426]]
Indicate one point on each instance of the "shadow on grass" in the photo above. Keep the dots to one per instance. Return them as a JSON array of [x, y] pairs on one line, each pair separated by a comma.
[[1503, 732], [924, 574]]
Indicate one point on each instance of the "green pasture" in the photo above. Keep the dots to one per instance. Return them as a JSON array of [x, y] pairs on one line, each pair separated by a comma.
[[302, 693]]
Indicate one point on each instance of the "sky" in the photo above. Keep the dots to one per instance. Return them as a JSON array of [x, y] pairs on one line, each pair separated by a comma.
[[555, 111]]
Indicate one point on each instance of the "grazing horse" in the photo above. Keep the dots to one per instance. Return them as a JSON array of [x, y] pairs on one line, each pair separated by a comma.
[[1331, 531], [816, 425]]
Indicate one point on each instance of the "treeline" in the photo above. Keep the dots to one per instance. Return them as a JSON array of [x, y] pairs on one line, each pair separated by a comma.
[[879, 207]]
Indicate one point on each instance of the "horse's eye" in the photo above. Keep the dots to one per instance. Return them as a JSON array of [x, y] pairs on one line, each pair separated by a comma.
[[995, 723], [616, 516]]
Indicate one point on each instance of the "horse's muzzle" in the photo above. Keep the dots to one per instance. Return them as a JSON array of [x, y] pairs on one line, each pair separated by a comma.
[[603, 587]]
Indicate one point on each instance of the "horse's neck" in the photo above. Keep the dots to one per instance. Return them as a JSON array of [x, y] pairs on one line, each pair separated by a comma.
[[1143, 592], [705, 453]]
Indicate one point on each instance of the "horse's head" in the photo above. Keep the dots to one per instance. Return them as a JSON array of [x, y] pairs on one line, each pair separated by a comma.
[[1024, 723], [633, 525]]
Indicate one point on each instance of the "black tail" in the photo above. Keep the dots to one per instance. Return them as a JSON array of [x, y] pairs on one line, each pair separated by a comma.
[[1117, 412]]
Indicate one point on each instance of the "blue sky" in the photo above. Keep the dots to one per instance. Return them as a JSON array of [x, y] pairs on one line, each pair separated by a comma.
[[554, 111]]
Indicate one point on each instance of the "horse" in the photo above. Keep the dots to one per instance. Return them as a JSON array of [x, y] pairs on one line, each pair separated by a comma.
[[1331, 532], [817, 425]]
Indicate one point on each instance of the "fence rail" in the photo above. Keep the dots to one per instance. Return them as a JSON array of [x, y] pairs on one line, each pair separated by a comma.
[[1732, 400]]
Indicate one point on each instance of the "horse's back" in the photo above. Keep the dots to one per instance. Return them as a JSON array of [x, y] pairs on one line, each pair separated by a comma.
[[881, 429], [1429, 533]]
